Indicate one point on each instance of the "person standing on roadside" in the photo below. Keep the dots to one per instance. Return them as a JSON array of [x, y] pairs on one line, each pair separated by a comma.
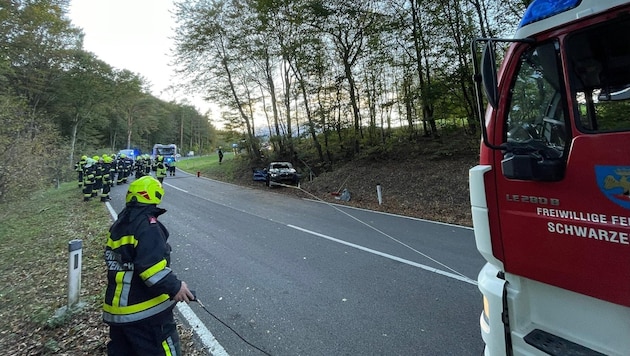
[[220, 155], [79, 167], [98, 176], [89, 171], [148, 165], [141, 288], [106, 178], [120, 169], [171, 167], [160, 169]]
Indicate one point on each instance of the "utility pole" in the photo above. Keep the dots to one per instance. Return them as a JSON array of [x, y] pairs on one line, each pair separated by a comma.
[[181, 131]]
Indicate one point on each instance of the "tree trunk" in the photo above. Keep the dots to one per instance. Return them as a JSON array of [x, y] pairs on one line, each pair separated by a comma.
[[311, 124]]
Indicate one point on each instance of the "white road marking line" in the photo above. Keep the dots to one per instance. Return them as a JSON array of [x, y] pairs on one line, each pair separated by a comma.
[[208, 340], [172, 186], [391, 257]]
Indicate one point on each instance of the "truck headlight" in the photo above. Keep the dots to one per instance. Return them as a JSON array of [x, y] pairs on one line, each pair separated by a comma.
[[486, 308], [484, 319]]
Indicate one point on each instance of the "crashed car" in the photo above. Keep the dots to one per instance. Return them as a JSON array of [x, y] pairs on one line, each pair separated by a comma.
[[281, 173]]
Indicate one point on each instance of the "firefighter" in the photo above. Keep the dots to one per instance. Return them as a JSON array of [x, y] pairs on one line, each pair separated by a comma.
[[98, 176], [88, 179], [160, 168], [148, 167], [107, 162], [141, 288], [79, 167], [112, 169], [128, 166], [120, 169], [139, 167]]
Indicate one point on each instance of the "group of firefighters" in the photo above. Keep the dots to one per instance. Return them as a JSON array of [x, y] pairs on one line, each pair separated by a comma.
[[98, 174]]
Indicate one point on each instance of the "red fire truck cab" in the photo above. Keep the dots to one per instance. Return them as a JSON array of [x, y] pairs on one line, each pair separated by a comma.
[[551, 194]]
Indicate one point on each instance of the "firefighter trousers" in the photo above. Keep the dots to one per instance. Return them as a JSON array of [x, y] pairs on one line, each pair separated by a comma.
[[154, 338]]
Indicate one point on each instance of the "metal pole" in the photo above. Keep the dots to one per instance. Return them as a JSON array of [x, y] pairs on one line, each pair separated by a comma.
[[75, 249]]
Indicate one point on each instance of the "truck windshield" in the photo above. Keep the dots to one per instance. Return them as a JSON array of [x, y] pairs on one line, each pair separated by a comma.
[[599, 59], [536, 112], [167, 151]]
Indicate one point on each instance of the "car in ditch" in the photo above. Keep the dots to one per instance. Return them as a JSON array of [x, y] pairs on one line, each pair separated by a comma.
[[281, 173]]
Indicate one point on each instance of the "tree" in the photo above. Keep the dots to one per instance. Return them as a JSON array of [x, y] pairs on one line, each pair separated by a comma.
[[83, 92], [336, 64], [349, 26], [36, 39], [29, 143], [132, 104]]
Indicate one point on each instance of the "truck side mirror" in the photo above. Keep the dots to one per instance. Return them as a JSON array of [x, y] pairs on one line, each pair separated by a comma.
[[489, 74]]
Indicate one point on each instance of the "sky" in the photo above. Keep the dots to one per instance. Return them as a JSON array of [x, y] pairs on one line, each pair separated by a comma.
[[134, 35]]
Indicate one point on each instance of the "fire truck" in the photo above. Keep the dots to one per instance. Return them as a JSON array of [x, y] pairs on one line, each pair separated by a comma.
[[168, 151], [550, 197]]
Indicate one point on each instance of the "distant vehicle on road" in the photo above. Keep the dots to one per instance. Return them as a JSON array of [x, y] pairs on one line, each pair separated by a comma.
[[169, 152], [130, 153]]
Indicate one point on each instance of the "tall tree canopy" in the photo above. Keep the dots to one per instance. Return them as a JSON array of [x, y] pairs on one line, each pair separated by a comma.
[[58, 100], [347, 72]]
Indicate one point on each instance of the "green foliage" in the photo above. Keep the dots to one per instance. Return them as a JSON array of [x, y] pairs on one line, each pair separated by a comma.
[[208, 166], [28, 143], [59, 100], [346, 73]]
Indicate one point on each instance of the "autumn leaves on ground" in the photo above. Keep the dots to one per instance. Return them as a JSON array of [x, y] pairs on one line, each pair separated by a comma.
[[34, 236], [35, 232]]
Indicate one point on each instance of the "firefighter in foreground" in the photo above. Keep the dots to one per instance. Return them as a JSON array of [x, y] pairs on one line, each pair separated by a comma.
[[141, 288]]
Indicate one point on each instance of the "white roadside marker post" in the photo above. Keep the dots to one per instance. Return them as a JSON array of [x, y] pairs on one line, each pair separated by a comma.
[[75, 256]]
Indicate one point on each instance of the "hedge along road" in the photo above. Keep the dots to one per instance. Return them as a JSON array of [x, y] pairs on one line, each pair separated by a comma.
[[301, 277]]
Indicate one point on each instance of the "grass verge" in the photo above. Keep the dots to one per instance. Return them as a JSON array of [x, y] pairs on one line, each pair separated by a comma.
[[34, 236], [209, 166]]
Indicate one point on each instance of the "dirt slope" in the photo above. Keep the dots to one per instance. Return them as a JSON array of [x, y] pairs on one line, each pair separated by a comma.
[[423, 188], [428, 182]]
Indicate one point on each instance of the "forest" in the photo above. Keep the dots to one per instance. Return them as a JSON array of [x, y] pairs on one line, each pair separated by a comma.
[[338, 76], [313, 80]]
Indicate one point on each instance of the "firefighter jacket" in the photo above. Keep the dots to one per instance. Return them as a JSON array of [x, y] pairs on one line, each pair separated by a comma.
[[140, 283], [160, 170], [89, 173], [80, 165]]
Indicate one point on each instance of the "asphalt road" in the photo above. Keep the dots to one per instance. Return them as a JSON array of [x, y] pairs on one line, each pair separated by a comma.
[[301, 277]]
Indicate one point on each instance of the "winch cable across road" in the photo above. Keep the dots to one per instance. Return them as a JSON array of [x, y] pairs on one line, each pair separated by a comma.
[[453, 272], [464, 277]]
